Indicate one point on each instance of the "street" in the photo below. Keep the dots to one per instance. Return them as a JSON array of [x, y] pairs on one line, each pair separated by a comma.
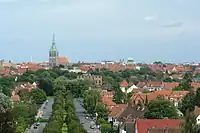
[[81, 115], [46, 107]]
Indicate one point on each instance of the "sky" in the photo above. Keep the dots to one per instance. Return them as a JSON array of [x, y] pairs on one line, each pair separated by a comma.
[[95, 30]]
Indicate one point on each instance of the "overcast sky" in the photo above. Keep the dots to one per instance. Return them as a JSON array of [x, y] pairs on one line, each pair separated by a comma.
[[94, 30]]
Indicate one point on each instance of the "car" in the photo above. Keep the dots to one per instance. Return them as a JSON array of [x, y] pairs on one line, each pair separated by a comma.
[[86, 117], [37, 124], [92, 127], [82, 122], [35, 127]]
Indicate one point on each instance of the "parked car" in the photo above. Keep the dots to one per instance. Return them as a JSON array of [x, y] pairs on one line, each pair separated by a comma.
[[37, 124], [35, 127]]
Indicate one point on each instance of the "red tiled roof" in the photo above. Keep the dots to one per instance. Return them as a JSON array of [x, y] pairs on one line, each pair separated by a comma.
[[195, 85], [178, 95], [154, 83], [163, 92], [124, 83], [117, 110], [170, 85], [62, 60], [15, 98], [108, 101], [143, 125], [107, 93]]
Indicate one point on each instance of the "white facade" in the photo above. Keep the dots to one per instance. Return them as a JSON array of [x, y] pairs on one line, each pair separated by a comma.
[[198, 119], [123, 89]]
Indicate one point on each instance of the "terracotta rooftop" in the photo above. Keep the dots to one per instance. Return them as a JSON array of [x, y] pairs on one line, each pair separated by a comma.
[[124, 83], [108, 101], [15, 98], [144, 125], [170, 85], [63, 60], [164, 130], [117, 110]]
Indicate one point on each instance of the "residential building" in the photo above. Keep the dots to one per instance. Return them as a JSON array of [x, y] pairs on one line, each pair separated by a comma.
[[130, 61], [124, 86], [176, 96], [151, 86], [115, 112], [26, 86], [44, 65], [63, 61], [28, 66], [96, 79], [53, 54], [173, 96], [146, 126], [197, 114], [106, 93], [1, 62], [164, 130]]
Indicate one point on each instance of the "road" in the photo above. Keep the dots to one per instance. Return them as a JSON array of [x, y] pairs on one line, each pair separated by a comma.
[[81, 115], [46, 107]]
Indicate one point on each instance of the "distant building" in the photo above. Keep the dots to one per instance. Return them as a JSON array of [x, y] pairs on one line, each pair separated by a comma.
[[130, 61], [53, 54], [96, 79], [1, 62], [63, 61]]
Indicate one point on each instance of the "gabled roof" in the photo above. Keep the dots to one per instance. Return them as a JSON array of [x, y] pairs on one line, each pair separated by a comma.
[[15, 98], [62, 60], [164, 130], [131, 112], [117, 110], [144, 125], [124, 83], [170, 85], [108, 101]]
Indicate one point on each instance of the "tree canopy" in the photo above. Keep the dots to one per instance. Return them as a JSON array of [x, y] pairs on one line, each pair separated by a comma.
[[38, 95], [187, 103], [160, 109]]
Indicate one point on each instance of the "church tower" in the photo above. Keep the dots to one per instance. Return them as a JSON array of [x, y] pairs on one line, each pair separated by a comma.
[[53, 54]]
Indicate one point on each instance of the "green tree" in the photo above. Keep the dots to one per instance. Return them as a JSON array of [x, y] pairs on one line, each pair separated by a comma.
[[146, 101], [5, 103], [46, 82], [20, 110], [38, 95], [188, 102], [60, 84], [106, 128], [197, 99], [160, 109], [101, 110], [190, 125], [91, 98], [6, 120], [6, 85]]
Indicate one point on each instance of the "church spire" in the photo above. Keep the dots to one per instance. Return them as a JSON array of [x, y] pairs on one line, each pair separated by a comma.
[[53, 41], [53, 46]]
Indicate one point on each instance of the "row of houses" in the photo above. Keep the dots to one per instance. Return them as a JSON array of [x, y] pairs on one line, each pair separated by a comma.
[[26, 86], [130, 117], [153, 86]]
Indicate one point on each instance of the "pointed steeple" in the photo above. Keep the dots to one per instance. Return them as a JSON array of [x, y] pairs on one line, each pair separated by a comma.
[[53, 46]]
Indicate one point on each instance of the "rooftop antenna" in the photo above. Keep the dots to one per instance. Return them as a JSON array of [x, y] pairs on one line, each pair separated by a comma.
[[31, 59]]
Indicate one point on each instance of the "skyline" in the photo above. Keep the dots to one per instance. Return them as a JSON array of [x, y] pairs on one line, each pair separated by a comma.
[[94, 30]]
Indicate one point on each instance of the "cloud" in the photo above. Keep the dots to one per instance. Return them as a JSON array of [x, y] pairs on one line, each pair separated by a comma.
[[172, 24], [150, 18]]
